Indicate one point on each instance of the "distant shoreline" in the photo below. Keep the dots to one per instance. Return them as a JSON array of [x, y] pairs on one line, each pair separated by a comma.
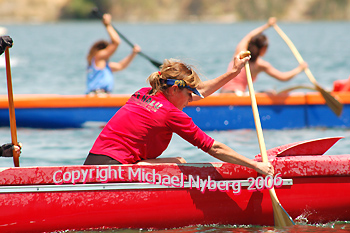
[[175, 11]]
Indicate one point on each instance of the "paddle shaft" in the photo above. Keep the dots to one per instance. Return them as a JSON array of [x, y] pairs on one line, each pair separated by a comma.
[[295, 88], [155, 63], [99, 15], [11, 106], [281, 217], [256, 114], [334, 104], [295, 52]]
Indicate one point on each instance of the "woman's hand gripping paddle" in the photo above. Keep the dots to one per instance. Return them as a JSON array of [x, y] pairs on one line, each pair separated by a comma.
[[281, 217]]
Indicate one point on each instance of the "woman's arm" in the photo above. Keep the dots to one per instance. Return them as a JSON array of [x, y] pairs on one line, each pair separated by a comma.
[[105, 54], [118, 66], [279, 75], [243, 44], [207, 88], [226, 154]]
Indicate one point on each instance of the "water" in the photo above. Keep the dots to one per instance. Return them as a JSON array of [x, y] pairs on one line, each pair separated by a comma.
[[331, 227], [50, 58]]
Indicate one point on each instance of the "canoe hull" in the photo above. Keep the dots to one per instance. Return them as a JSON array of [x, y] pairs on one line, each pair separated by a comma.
[[307, 199], [58, 198]]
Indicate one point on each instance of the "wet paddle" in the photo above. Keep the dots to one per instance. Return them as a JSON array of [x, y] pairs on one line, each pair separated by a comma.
[[11, 106], [281, 217], [334, 104], [99, 15]]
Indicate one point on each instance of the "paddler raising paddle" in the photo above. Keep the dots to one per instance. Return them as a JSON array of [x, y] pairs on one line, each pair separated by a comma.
[[142, 129], [257, 44], [100, 70]]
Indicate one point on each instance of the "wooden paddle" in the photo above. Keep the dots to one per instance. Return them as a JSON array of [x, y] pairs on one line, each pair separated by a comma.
[[295, 88], [11, 107], [281, 216], [99, 15], [334, 104]]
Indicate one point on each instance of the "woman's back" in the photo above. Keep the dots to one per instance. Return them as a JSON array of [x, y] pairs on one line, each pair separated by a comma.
[[257, 44]]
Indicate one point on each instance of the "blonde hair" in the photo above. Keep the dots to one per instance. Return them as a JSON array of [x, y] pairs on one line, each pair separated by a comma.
[[173, 69]]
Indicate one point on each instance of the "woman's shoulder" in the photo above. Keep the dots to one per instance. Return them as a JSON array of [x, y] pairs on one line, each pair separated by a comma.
[[143, 94], [152, 102], [261, 64], [144, 90]]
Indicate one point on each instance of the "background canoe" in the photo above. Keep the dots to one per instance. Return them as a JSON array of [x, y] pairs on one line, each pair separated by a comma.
[[217, 112]]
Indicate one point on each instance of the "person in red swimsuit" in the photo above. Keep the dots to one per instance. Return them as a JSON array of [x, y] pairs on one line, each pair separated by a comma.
[[257, 44], [142, 129]]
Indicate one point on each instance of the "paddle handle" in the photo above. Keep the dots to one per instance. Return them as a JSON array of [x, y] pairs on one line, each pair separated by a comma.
[[295, 52], [11, 106]]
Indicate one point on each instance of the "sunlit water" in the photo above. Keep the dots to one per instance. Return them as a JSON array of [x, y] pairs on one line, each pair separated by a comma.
[[50, 58]]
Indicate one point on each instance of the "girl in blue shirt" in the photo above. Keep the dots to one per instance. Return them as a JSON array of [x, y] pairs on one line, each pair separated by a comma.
[[99, 72]]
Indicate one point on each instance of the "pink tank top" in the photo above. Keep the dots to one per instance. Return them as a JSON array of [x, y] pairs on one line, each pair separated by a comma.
[[239, 83]]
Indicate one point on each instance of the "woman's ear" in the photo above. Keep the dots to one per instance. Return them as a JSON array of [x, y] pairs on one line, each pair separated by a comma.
[[263, 51], [173, 90]]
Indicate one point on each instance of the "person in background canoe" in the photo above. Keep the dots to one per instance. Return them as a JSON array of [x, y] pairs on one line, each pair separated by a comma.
[[8, 149], [142, 129], [100, 70], [256, 42], [341, 85]]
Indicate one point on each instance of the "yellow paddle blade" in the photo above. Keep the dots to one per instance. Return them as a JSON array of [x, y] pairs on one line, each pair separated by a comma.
[[280, 215]]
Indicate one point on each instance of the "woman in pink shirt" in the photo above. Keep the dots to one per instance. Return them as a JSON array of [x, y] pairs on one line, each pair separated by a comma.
[[142, 129], [257, 44]]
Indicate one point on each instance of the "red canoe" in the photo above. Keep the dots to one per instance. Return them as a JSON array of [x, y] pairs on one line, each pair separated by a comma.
[[310, 186]]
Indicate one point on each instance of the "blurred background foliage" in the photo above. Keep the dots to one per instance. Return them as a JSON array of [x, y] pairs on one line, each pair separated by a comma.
[[175, 10]]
